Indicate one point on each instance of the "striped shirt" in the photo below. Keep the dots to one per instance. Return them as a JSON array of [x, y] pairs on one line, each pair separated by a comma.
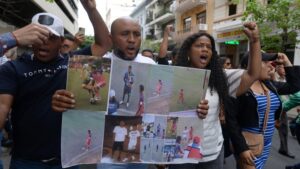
[[268, 134]]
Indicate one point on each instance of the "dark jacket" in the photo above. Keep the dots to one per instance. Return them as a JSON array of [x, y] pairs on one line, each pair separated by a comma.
[[242, 112]]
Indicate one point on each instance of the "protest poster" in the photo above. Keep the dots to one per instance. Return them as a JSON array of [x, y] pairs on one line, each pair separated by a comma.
[[83, 126], [142, 113]]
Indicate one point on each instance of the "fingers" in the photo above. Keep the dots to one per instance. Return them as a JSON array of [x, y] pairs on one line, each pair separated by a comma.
[[31, 34], [202, 109], [62, 100], [251, 31], [252, 159], [250, 25]]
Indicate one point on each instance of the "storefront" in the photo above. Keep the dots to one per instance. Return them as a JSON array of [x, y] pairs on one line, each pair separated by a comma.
[[232, 44]]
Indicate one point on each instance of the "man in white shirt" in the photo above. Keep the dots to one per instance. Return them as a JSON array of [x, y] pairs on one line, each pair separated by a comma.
[[119, 137]]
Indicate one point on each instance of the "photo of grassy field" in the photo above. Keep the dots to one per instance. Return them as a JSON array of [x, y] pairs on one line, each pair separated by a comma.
[[81, 83]]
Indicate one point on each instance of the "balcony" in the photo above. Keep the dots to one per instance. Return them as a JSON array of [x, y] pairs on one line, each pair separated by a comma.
[[149, 19], [185, 5], [181, 35], [162, 16], [162, 12]]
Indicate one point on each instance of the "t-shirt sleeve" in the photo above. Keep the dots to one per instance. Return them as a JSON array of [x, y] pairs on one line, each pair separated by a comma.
[[8, 79], [84, 51], [234, 80], [115, 129]]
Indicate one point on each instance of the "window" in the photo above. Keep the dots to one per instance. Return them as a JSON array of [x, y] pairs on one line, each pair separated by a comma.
[[187, 23], [232, 9], [201, 18], [73, 5]]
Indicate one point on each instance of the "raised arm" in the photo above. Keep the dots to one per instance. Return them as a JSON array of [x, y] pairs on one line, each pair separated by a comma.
[[164, 44], [254, 63], [102, 40], [6, 101], [163, 49]]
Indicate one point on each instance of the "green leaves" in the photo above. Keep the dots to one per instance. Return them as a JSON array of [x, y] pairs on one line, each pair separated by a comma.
[[279, 17]]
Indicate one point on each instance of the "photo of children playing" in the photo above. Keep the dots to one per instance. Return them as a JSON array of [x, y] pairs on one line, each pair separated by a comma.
[[171, 139], [155, 89], [127, 88], [88, 79], [122, 139], [82, 137]]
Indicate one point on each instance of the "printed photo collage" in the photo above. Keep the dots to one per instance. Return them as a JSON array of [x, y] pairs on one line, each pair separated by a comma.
[[146, 113]]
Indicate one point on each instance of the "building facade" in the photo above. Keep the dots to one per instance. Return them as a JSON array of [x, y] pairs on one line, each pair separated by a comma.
[[227, 29], [16, 14], [191, 17]]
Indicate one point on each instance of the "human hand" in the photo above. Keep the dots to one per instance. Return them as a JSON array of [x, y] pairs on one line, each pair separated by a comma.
[[88, 4], [251, 31], [169, 29], [247, 157], [31, 34], [62, 100], [283, 59], [202, 109], [79, 38]]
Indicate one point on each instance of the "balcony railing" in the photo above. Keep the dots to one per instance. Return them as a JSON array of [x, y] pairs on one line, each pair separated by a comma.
[[162, 12], [149, 19], [185, 5]]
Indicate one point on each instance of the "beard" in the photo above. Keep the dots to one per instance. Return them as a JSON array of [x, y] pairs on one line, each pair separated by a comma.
[[121, 54]]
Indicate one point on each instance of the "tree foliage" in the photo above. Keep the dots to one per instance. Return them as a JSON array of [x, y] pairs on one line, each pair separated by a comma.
[[88, 41], [149, 44], [278, 21]]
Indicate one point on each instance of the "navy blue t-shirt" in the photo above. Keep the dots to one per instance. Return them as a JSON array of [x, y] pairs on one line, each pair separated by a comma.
[[36, 128]]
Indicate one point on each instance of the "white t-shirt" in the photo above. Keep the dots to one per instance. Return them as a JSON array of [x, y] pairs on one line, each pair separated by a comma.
[[212, 133], [133, 136], [184, 134], [120, 133], [139, 58]]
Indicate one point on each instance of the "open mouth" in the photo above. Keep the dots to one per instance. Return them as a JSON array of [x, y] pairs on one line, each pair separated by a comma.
[[131, 50], [203, 59]]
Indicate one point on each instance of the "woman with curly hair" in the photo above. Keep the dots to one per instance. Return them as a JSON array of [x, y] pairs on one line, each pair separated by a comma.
[[199, 51]]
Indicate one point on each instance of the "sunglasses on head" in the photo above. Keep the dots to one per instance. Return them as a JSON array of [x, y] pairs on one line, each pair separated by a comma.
[[45, 20]]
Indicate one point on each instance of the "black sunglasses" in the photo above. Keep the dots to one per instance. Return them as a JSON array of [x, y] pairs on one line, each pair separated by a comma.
[[45, 20]]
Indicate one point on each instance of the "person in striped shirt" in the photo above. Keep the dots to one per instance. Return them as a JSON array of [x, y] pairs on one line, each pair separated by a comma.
[[252, 108]]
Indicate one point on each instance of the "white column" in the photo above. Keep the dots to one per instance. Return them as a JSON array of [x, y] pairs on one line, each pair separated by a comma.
[[297, 51]]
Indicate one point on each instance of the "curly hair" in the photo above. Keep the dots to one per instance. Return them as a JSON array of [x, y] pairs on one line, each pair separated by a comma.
[[217, 74]]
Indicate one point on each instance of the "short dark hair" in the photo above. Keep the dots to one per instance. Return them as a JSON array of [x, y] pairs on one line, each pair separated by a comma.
[[147, 50], [69, 37]]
